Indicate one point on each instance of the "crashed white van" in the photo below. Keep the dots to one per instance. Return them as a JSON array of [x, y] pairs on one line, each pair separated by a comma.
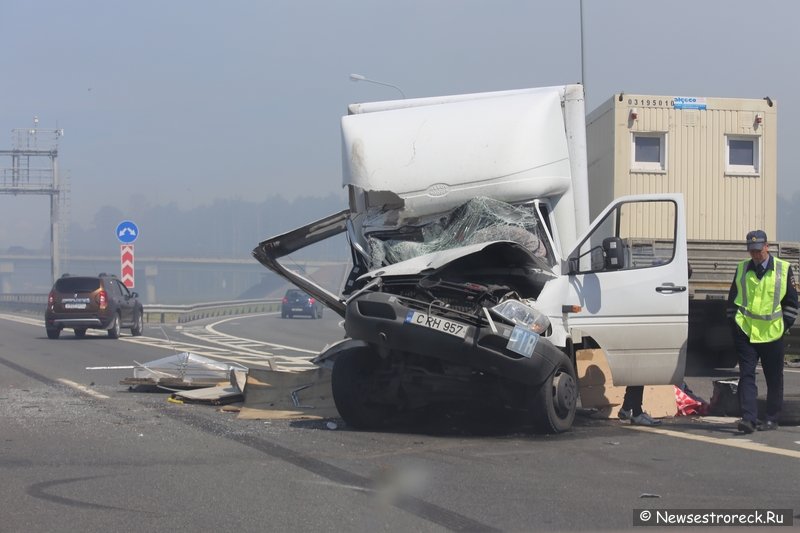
[[476, 273]]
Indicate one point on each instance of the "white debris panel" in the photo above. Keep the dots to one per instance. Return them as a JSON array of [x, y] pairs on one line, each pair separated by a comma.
[[185, 369]]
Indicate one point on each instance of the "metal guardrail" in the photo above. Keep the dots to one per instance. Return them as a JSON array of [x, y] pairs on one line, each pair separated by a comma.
[[156, 313], [24, 302], [164, 314]]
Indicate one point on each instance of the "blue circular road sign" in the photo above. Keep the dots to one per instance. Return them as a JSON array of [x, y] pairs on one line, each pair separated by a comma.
[[127, 232]]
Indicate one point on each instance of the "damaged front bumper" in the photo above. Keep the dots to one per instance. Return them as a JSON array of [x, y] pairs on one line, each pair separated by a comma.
[[393, 323]]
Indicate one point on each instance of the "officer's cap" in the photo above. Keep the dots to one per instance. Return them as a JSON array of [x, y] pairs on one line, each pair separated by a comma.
[[756, 240]]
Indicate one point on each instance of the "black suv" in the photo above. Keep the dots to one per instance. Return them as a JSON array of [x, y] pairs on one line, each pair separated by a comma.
[[297, 302], [96, 302]]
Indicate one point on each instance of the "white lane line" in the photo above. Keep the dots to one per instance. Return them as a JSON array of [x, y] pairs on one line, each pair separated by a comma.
[[24, 320], [733, 443], [247, 359], [211, 329], [228, 343], [207, 351], [83, 389], [171, 345]]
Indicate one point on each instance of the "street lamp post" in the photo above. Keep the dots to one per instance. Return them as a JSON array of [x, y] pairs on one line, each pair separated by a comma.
[[583, 69], [359, 77]]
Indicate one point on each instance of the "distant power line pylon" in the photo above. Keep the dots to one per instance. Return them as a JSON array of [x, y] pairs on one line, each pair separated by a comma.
[[30, 146]]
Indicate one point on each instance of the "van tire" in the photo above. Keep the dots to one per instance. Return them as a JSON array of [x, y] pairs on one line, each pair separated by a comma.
[[53, 333], [553, 405], [350, 384]]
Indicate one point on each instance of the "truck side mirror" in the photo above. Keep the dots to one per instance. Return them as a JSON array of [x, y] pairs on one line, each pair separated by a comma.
[[613, 253]]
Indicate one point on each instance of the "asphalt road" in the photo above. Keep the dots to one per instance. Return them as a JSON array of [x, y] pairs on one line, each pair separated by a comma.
[[106, 459]]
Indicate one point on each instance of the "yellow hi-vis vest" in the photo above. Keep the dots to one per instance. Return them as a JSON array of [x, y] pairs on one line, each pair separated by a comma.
[[759, 301]]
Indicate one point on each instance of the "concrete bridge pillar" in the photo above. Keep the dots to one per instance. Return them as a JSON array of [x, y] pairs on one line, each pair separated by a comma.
[[5, 278], [150, 274]]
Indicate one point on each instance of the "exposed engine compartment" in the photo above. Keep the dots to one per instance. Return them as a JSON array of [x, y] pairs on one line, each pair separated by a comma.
[[446, 262]]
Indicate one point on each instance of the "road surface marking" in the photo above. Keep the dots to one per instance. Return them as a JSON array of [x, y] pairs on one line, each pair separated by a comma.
[[83, 388], [23, 319], [230, 353], [211, 329], [733, 443]]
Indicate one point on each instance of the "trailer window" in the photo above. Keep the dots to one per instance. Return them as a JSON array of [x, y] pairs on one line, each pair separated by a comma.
[[742, 153], [649, 152]]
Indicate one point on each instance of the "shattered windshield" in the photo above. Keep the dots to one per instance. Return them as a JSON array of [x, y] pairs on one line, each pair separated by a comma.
[[478, 220]]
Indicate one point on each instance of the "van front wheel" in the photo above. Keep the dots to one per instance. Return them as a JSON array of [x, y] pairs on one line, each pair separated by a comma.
[[353, 384], [554, 404]]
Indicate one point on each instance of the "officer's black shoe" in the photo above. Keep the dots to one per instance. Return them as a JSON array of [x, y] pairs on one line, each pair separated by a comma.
[[769, 425], [745, 426]]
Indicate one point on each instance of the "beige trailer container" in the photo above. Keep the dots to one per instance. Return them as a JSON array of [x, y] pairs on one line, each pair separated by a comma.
[[721, 153]]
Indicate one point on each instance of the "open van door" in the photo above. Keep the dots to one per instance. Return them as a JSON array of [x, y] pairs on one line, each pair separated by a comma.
[[629, 274]]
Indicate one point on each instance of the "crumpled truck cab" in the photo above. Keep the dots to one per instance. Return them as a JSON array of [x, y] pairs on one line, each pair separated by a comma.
[[476, 274]]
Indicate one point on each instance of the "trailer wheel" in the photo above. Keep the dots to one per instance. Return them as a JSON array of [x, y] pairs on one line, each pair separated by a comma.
[[553, 405], [352, 386]]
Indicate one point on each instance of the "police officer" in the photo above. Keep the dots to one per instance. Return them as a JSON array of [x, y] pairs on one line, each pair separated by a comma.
[[763, 304]]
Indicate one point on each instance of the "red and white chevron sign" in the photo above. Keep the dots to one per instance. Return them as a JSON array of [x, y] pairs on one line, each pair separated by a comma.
[[126, 264]]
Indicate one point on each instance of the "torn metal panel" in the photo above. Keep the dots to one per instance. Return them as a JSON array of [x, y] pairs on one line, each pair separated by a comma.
[[269, 252], [288, 395], [185, 369], [218, 394], [214, 395]]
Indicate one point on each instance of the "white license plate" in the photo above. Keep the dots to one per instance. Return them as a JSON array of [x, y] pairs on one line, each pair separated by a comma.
[[297, 308], [438, 323], [74, 306]]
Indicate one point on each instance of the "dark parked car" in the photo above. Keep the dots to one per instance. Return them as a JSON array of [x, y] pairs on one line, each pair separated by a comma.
[[92, 302], [296, 302]]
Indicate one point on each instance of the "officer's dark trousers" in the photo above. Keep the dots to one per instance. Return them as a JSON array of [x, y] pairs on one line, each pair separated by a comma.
[[771, 355], [633, 399]]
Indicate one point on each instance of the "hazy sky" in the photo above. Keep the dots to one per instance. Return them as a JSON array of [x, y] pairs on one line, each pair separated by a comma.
[[178, 101]]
